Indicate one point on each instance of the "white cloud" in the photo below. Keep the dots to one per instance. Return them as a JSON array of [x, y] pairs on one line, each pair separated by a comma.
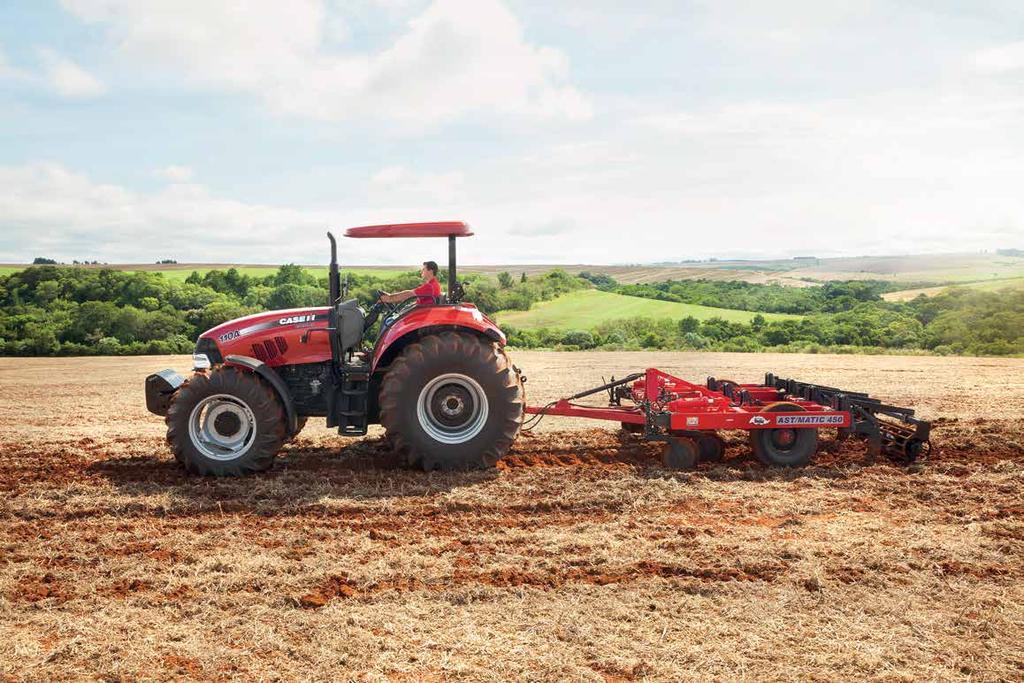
[[174, 174], [737, 118], [49, 209], [557, 226], [456, 57], [999, 59], [396, 185], [68, 79]]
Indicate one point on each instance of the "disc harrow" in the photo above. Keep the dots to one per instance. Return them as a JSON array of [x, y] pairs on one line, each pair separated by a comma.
[[782, 416]]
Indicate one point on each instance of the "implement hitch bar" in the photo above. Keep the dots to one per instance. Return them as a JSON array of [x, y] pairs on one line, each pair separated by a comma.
[[666, 408]]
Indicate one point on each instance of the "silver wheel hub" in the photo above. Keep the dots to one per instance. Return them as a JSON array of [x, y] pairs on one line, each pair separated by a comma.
[[222, 427], [452, 408]]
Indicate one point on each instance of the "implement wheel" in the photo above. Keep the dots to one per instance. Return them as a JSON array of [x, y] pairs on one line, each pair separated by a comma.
[[710, 448], [680, 454], [784, 447], [226, 424], [451, 401]]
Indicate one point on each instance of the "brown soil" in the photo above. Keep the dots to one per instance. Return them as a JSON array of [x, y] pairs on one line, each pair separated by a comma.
[[581, 557]]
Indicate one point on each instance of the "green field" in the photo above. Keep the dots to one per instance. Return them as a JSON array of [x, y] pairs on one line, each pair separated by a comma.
[[986, 286], [584, 309]]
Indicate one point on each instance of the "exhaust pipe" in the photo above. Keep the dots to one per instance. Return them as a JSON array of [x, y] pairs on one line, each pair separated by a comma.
[[333, 279]]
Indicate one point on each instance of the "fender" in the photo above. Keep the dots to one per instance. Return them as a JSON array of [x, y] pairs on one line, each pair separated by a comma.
[[464, 316], [268, 373]]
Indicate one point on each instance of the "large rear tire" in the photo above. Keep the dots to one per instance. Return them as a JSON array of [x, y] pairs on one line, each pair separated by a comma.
[[451, 401], [226, 424]]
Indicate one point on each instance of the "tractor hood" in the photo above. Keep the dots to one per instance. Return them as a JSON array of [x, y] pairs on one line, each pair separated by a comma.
[[273, 337], [267, 320]]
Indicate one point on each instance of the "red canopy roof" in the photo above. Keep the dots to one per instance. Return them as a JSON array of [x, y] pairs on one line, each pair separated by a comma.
[[439, 229]]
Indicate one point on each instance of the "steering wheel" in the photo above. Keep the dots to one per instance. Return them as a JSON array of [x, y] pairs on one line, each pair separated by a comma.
[[385, 305], [376, 309]]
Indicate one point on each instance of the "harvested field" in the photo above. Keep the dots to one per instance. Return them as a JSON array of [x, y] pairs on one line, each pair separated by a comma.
[[581, 558]]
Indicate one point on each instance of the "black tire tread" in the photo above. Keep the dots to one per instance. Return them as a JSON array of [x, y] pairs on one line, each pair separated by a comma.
[[807, 439], [485, 357], [262, 400]]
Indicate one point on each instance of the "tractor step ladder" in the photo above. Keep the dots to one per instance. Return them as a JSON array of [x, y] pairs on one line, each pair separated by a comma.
[[351, 401]]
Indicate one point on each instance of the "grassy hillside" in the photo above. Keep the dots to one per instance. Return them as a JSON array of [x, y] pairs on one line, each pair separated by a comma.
[[916, 268], [584, 309], [934, 268], [986, 286]]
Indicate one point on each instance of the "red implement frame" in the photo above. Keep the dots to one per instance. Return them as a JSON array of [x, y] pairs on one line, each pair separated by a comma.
[[670, 409], [678, 405]]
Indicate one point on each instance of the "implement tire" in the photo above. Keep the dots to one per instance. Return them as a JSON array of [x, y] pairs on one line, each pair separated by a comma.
[[784, 447], [228, 423], [451, 401]]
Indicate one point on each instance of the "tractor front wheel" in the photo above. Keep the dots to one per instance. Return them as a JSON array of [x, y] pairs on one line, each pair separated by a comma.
[[451, 401], [226, 424]]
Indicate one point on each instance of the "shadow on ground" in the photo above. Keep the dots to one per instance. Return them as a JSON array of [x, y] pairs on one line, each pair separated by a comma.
[[303, 474], [366, 469]]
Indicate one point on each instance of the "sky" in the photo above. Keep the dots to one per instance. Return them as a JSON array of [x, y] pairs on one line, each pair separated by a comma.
[[572, 132]]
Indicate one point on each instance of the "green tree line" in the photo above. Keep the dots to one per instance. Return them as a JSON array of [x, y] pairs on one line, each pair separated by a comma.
[[961, 321], [831, 297], [57, 310]]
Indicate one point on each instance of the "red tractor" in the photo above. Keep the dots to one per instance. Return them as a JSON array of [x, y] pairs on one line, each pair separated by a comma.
[[436, 377]]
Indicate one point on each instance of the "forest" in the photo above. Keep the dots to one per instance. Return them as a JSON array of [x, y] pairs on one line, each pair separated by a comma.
[[56, 310]]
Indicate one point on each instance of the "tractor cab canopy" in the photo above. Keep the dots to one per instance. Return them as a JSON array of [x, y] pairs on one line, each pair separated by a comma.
[[437, 229], [449, 229]]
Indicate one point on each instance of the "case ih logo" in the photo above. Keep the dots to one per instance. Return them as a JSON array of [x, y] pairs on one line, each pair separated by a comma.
[[759, 420], [297, 319], [809, 420]]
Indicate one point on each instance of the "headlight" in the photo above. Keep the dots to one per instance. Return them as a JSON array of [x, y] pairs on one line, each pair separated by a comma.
[[207, 347], [200, 361]]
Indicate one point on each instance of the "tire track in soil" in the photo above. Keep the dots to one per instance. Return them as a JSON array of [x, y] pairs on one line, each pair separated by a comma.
[[340, 586], [149, 461], [688, 578]]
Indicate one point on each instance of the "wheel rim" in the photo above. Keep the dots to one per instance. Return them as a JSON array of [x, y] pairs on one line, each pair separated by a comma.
[[783, 439], [452, 408], [222, 427]]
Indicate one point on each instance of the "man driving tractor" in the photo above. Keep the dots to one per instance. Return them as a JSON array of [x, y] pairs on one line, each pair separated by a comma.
[[425, 294]]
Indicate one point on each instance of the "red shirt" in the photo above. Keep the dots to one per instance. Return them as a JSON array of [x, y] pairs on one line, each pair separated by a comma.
[[426, 292]]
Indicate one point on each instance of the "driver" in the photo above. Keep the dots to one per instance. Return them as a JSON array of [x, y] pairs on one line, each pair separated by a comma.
[[425, 294]]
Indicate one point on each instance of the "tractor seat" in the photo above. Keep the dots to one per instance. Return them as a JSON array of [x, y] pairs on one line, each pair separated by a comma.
[[349, 325]]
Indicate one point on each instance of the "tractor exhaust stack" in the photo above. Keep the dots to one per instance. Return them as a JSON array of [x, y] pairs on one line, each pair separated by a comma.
[[333, 279]]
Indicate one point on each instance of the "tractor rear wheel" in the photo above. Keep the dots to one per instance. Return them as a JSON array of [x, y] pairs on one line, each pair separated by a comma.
[[451, 401], [226, 424], [784, 447]]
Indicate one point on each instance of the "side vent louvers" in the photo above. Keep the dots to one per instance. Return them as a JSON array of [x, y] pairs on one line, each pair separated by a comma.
[[270, 349]]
